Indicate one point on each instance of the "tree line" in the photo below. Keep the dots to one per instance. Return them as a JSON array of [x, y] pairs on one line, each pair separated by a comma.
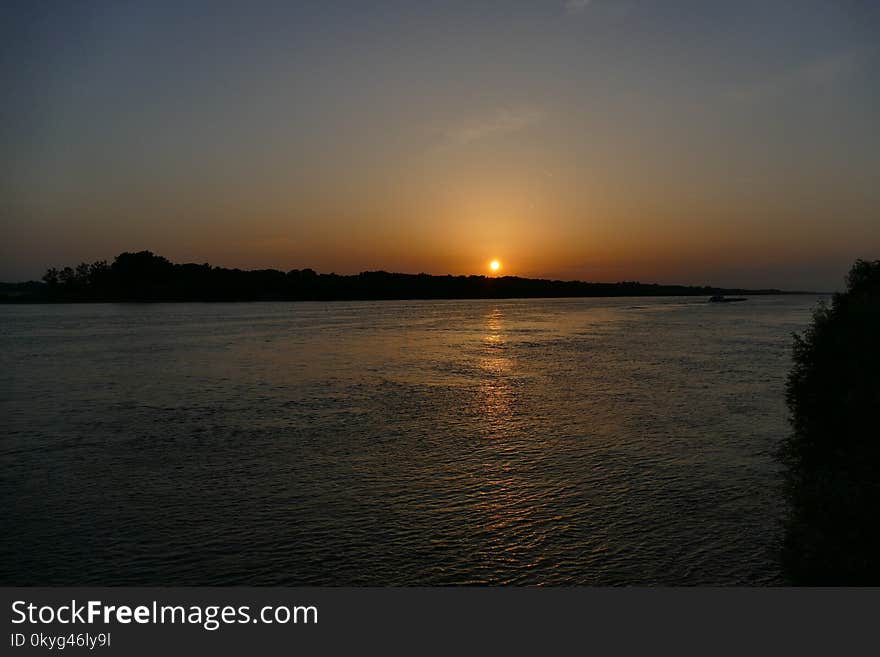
[[144, 276]]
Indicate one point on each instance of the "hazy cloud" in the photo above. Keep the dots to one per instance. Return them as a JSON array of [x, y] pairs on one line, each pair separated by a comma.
[[600, 10], [502, 122], [830, 68], [820, 72], [576, 6]]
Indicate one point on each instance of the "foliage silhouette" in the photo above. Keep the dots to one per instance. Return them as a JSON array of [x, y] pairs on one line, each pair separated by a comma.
[[144, 276], [832, 455]]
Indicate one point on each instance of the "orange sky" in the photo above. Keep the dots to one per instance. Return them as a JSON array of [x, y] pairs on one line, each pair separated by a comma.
[[690, 143]]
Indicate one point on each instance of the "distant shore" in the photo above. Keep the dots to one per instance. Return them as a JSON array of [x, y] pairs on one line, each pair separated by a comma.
[[145, 277]]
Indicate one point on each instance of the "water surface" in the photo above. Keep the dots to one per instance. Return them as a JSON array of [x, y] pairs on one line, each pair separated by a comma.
[[567, 441]]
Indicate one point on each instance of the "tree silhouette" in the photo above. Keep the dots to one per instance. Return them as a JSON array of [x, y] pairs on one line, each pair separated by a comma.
[[145, 276], [832, 455]]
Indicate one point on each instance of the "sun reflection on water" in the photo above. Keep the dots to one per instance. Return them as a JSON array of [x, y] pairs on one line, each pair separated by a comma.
[[495, 391]]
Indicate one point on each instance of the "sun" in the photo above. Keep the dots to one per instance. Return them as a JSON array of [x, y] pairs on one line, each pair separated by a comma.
[[494, 265]]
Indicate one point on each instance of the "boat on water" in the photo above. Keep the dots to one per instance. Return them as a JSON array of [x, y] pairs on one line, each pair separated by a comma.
[[720, 298]]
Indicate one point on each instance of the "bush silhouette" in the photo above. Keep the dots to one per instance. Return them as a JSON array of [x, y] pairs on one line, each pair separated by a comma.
[[832, 455]]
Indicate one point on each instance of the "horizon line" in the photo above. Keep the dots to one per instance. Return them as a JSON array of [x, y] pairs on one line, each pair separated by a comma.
[[484, 276]]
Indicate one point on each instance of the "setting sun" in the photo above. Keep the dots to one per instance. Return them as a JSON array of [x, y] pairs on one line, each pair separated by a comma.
[[494, 265]]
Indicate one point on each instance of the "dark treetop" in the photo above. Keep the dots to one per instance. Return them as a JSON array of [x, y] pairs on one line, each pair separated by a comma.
[[833, 453], [144, 276]]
